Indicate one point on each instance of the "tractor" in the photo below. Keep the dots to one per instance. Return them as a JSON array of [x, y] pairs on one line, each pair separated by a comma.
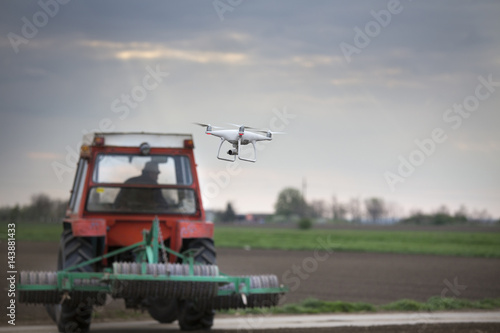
[[135, 228]]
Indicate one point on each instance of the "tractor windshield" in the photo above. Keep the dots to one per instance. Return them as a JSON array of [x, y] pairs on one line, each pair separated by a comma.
[[142, 184], [156, 169]]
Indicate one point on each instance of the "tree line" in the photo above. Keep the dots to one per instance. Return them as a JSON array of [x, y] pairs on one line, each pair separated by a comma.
[[290, 206], [41, 209], [291, 203]]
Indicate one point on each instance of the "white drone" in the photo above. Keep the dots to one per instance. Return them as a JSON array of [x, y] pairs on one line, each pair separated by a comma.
[[238, 137]]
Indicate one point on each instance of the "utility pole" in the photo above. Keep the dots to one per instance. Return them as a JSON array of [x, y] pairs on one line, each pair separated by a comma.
[[304, 188]]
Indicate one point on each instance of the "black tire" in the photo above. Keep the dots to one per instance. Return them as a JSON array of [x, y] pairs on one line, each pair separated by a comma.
[[193, 315], [205, 253], [71, 317], [163, 310]]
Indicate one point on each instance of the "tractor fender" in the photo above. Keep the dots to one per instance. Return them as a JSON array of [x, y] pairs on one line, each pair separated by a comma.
[[85, 227], [195, 229]]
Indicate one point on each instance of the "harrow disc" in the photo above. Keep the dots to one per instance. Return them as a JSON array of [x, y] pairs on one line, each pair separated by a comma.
[[137, 288], [254, 300], [55, 296]]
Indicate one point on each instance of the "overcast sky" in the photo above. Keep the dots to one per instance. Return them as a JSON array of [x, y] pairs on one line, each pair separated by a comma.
[[398, 100]]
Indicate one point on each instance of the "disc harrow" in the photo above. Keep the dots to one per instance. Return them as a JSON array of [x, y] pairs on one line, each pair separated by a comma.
[[262, 295], [136, 287], [147, 278], [44, 289]]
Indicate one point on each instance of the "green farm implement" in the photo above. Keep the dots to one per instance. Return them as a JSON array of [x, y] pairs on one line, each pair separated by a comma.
[[110, 248], [149, 277]]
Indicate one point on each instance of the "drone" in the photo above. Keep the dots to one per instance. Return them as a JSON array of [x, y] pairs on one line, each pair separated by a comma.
[[238, 137]]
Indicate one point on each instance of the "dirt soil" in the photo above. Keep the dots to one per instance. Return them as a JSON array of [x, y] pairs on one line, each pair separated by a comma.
[[364, 277]]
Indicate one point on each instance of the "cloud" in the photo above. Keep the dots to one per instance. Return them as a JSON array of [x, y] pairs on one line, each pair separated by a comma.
[[149, 51], [310, 61], [386, 76]]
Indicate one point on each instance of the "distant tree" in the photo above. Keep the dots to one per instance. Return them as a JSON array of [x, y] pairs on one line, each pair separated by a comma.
[[290, 202], [229, 215], [442, 218], [443, 210], [375, 209], [339, 210], [480, 216], [317, 209], [41, 208], [416, 217], [355, 210], [438, 218], [14, 214], [461, 214], [394, 211], [305, 223]]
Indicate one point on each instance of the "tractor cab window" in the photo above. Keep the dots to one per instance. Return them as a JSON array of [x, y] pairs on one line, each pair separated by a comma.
[[108, 199], [142, 184], [156, 169]]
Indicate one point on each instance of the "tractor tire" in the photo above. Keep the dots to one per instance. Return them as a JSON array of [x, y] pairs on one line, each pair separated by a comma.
[[71, 317], [163, 310], [193, 315]]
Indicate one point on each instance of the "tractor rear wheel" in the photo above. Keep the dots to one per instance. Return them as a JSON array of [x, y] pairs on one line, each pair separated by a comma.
[[71, 317], [195, 315]]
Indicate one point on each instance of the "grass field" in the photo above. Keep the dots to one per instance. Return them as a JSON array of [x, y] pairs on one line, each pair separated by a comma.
[[314, 306], [474, 244]]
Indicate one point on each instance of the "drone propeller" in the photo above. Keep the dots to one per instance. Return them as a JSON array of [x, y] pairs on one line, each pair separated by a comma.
[[244, 126], [270, 132], [206, 125]]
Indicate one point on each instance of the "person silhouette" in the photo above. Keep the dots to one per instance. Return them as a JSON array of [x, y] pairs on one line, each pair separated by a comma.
[[142, 198]]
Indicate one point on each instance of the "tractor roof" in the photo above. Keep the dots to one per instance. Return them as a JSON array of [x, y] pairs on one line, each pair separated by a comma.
[[135, 139]]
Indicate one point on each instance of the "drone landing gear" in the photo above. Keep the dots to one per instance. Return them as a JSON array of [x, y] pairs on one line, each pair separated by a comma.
[[235, 151], [254, 152]]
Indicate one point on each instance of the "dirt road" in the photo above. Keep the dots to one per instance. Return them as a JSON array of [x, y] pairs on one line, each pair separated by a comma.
[[470, 322]]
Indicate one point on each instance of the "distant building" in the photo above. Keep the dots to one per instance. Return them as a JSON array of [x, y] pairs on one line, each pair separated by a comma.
[[256, 218]]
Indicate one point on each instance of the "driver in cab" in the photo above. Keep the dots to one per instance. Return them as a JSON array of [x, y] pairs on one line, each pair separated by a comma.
[[142, 198]]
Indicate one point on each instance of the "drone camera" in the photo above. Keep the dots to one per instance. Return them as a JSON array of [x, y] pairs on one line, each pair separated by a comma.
[[232, 152]]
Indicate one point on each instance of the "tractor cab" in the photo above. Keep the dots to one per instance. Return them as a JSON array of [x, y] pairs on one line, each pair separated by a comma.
[[124, 180]]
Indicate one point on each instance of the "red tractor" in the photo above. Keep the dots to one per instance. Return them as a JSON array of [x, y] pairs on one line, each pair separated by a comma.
[[122, 182]]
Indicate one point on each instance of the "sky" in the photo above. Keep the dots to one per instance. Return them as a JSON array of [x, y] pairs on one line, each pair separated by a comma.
[[391, 99]]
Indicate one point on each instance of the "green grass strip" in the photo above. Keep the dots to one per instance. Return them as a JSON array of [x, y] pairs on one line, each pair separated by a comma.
[[437, 303], [314, 306], [471, 244], [39, 232]]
